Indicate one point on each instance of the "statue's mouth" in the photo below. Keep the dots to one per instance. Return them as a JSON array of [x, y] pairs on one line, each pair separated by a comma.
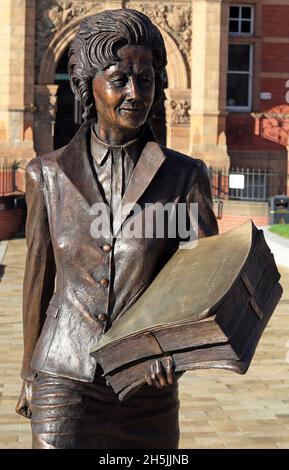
[[133, 110]]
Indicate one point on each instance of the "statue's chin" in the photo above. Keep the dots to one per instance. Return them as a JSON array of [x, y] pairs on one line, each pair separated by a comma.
[[132, 119]]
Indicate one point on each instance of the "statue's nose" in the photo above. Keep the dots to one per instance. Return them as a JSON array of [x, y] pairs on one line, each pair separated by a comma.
[[134, 92]]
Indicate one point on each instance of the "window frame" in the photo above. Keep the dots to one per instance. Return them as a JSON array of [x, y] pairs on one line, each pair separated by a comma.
[[250, 74], [239, 19]]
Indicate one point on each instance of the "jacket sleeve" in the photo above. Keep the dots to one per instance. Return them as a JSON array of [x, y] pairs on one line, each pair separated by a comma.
[[200, 193], [39, 276]]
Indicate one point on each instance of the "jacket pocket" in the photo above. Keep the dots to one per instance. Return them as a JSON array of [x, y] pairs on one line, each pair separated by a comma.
[[47, 333]]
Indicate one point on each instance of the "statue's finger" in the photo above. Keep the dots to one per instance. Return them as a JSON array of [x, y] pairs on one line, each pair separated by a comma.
[[170, 371], [152, 372], [160, 374], [153, 376], [148, 379]]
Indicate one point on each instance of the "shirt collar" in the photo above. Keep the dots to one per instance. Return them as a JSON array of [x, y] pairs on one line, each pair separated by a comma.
[[99, 149]]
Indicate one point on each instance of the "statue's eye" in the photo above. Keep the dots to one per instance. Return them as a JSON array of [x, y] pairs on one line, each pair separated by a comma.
[[146, 80], [119, 80]]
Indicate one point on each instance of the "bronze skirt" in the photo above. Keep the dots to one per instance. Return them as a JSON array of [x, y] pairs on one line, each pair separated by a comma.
[[69, 414]]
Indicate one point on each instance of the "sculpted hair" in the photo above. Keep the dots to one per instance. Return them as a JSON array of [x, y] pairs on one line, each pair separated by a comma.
[[96, 45]]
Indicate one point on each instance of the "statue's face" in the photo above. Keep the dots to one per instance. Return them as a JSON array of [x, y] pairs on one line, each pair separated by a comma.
[[124, 92]]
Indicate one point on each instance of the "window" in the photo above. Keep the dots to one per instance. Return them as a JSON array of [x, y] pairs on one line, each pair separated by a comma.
[[239, 77], [241, 21]]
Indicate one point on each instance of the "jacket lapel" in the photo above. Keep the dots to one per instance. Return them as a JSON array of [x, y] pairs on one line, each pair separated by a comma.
[[74, 161], [149, 162]]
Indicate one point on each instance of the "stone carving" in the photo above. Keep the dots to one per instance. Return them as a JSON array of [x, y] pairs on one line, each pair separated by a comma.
[[53, 15], [273, 124], [175, 18], [180, 112]]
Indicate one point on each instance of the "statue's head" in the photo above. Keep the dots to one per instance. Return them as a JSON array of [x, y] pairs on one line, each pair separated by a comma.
[[117, 66]]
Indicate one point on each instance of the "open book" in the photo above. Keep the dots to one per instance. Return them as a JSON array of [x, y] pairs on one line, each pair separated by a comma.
[[207, 308]]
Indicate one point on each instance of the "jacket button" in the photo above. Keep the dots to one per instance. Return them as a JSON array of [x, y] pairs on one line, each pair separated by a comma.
[[102, 316], [107, 248], [104, 282]]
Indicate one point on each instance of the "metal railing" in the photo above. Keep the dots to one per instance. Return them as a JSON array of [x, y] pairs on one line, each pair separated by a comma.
[[7, 177], [258, 184]]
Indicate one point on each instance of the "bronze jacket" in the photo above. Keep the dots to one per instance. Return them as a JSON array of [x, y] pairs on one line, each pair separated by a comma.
[[75, 285]]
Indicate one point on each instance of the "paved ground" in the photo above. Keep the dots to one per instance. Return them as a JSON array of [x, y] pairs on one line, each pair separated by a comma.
[[219, 409]]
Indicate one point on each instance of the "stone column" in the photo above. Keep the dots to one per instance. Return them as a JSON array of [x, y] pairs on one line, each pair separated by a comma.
[[44, 117], [178, 104], [209, 67], [17, 78]]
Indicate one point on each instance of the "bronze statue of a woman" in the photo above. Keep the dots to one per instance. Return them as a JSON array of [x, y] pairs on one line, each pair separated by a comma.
[[77, 285]]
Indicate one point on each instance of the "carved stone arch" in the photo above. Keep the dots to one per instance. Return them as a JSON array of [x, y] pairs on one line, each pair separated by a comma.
[[57, 46], [178, 97], [46, 90], [176, 68]]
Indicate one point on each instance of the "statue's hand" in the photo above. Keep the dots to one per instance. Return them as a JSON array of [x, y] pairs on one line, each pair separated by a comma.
[[160, 376], [23, 407]]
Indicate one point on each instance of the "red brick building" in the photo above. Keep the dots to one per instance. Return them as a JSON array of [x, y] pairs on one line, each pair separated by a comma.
[[260, 55], [228, 75]]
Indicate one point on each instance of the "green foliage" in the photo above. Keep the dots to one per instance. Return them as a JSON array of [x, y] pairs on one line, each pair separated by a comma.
[[280, 229], [16, 164]]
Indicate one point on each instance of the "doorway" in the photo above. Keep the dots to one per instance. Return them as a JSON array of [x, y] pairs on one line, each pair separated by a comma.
[[68, 114]]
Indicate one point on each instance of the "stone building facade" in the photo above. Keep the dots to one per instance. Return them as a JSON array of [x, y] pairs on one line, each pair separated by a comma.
[[228, 69]]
